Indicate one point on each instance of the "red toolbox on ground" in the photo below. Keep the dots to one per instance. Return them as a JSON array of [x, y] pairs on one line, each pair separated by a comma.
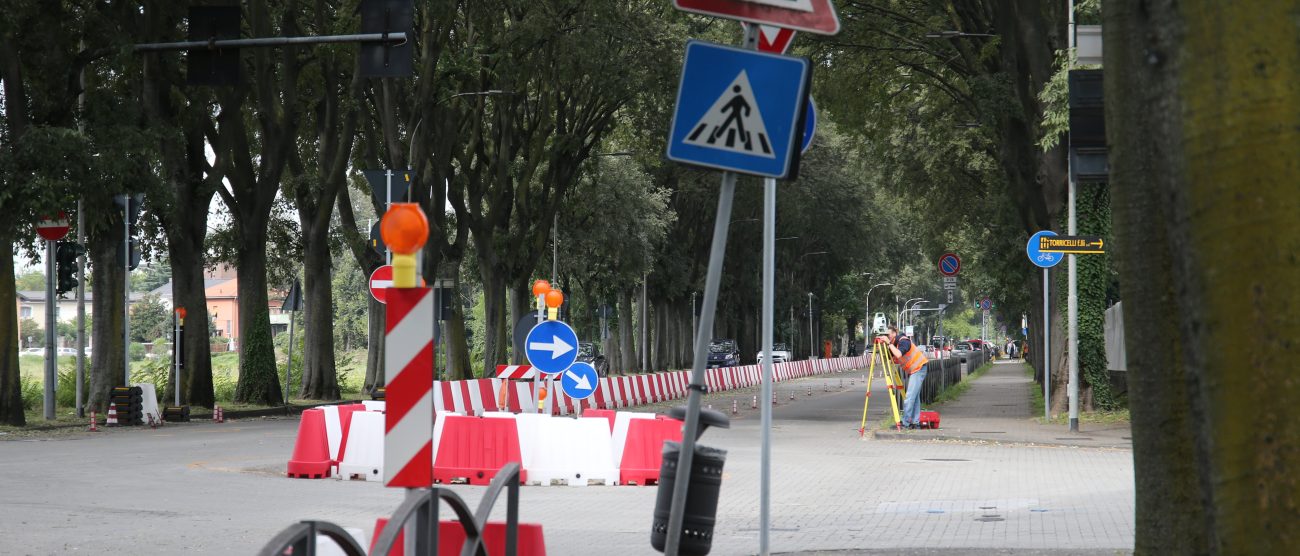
[[929, 419]]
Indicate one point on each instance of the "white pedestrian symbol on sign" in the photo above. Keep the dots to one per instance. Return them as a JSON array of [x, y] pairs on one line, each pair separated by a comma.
[[733, 123]]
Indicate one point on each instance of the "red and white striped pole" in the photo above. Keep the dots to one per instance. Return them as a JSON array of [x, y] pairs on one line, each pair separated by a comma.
[[408, 354]]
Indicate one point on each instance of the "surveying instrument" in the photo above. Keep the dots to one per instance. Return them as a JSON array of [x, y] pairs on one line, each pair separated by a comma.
[[894, 385]]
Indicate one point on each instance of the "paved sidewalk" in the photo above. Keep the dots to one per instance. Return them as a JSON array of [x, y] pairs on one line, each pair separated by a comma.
[[997, 408]]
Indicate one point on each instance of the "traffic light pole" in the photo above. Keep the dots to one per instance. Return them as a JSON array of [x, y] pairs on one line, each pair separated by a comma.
[[51, 353]]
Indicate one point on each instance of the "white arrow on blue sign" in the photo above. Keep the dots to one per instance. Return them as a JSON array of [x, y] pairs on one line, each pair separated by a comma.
[[580, 381], [739, 110], [1044, 260], [551, 347]]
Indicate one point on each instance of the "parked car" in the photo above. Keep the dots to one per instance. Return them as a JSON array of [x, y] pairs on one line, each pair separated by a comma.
[[67, 352], [34, 352], [963, 348], [780, 353], [723, 353], [590, 354]]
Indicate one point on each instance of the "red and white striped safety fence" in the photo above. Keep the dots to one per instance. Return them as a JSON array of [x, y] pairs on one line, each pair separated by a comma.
[[516, 372], [408, 418]]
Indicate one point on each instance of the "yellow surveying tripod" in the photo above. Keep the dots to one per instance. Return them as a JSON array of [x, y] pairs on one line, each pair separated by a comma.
[[894, 384]]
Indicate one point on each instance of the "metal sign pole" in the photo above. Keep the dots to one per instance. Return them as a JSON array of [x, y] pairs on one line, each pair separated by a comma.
[[712, 280], [81, 312], [51, 353], [769, 302], [126, 290], [1047, 349]]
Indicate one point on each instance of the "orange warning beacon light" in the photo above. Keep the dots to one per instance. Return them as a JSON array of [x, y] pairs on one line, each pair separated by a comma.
[[404, 229], [541, 287], [554, 299]]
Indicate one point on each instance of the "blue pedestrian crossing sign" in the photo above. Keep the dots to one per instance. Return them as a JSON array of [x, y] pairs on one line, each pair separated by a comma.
[[580, 381], [740, 110], [551, 347]]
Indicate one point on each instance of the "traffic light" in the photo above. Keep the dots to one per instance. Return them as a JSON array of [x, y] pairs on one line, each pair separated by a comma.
[[130, 205], [65, 259]]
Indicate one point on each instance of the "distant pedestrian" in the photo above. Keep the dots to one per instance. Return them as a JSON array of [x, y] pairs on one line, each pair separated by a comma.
[[910, 359]]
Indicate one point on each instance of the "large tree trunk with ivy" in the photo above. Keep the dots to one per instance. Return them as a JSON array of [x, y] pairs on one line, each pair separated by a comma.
[[108, 366], [1094, 281], [1204, 126], [258, 379]]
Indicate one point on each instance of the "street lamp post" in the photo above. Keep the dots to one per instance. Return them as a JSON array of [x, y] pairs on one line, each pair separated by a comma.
[[811, 343], [899, 319]]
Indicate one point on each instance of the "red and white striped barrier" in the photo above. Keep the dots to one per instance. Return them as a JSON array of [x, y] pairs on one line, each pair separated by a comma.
[[517, 372], [408, 356]]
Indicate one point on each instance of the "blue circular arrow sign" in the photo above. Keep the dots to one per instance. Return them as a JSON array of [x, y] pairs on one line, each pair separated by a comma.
[[810, 125], [1044, 260], [551, 346], [580, 381]]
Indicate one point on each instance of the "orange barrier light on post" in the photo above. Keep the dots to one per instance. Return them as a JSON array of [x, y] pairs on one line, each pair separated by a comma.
[[404, 229], [554, 299]]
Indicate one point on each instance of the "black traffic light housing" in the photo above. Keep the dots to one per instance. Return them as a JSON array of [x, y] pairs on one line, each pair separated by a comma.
[[213, 66], [65, 260], [131, 205], [1088, 157]]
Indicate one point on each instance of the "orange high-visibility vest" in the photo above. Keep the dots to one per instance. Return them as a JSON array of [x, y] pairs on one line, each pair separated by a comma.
[[911, 361]]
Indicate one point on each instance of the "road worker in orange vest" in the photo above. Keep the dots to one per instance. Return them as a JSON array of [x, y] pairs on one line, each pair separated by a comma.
[[912, 361]]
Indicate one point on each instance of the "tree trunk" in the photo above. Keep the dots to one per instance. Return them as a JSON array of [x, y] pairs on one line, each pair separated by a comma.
[[626, 322], [374, 345], [494, 319], [643, 322], [458, 363], [1204, 188], [108, 364], [258, 380], [319, 373], [188, 292], [521, 305], [11, 390]]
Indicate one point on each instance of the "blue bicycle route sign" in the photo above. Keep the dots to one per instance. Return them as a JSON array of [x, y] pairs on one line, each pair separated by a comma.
[[1041, 258]]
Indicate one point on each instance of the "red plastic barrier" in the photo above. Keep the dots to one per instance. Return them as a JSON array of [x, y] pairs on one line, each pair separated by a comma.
[[643, 450], [606, 413], [529, 542], [345, 422], [311, 453], [399, 546], [475, 448]]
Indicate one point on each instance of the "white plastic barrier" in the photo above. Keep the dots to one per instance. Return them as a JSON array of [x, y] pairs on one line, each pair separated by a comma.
[[333, 429], [326, 546], [575, 451], [375, 405], [365, 455], [619, 438], [149, 403]]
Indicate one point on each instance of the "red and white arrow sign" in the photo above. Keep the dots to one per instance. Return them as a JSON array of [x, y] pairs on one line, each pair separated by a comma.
[[516, 371], [773, 39], [382, 279]]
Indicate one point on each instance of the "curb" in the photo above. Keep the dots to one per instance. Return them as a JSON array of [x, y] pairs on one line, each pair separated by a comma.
[[889, 435]]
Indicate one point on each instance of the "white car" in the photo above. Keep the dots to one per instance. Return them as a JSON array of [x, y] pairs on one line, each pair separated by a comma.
[[780, 354], [35, 352], [67, 352]]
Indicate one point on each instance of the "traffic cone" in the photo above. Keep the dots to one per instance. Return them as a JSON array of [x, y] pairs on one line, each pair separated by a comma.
[[735, 407], [93, 426], [753, 404], [218, 415], [311, 453], [111, 421]]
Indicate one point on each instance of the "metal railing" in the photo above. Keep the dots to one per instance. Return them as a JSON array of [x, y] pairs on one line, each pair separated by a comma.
[[422, 504]]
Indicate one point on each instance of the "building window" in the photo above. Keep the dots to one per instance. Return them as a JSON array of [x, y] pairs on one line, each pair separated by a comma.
[[27, 311]]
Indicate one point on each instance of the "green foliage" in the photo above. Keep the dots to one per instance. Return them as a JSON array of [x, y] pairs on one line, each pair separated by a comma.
[[150, 276], [33, 392], [257, 369], [32, 334], [351, 304], [150, 319], [32, 280], [137, 351], [1056, 102], [1096, 282]]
